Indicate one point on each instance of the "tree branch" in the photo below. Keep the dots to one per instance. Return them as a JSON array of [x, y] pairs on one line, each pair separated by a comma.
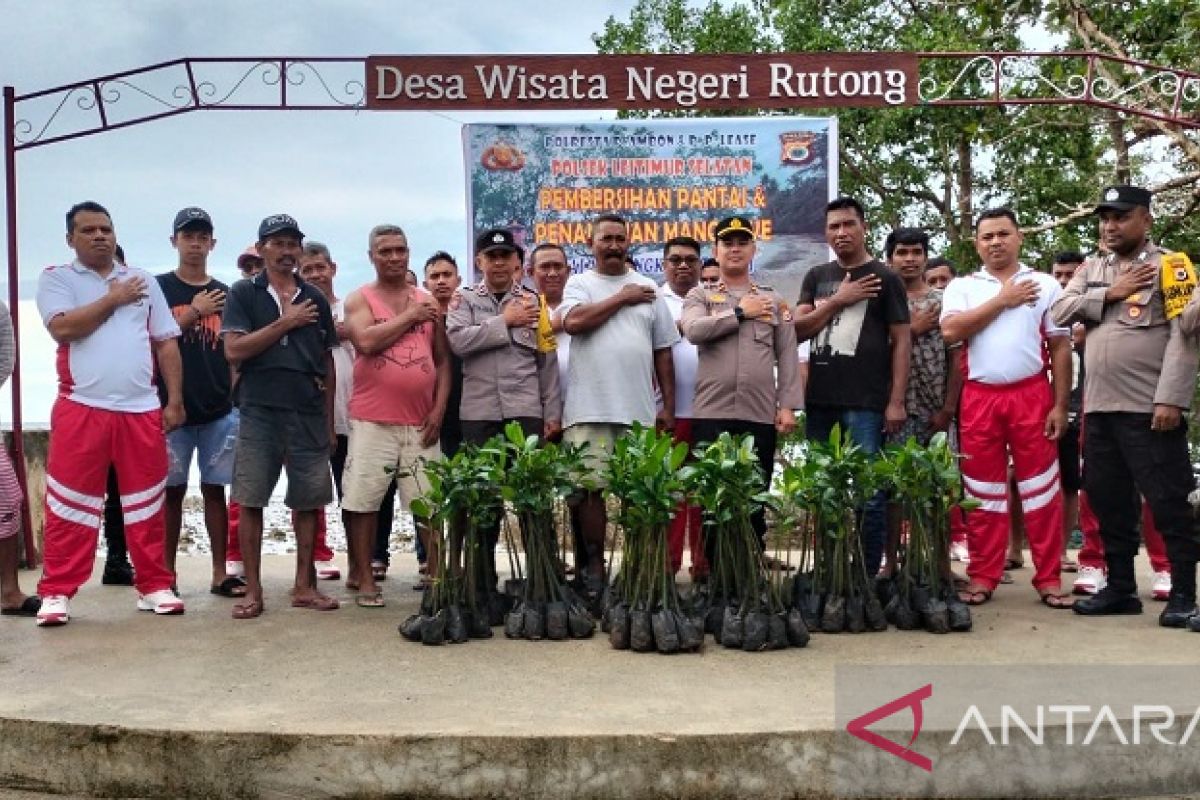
[[1080, 212], [1090, 32]]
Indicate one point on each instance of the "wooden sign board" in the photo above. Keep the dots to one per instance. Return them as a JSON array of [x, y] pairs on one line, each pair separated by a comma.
[[662, 82]]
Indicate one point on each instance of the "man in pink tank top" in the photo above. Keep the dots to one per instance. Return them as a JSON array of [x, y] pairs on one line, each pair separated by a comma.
[[401, 383]]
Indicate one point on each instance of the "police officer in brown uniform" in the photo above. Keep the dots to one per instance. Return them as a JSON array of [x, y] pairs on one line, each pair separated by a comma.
[[492, 327], [1140, 372], [747, 380]]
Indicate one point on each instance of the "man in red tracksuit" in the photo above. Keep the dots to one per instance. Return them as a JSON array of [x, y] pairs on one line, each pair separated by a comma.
[[1008, 409], [111, 323]]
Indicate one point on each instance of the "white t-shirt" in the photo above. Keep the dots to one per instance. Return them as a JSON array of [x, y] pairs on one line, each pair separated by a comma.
[[685, 356], [1010, 348], [611, 370], [343, 365], [113, 367]]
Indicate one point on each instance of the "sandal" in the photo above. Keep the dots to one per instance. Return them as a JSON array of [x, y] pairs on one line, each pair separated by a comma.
[[379, 570], [975, 596], [369, 600], [29, 607], [317, 602], [232, 586], [1057, 601], [248, 609]]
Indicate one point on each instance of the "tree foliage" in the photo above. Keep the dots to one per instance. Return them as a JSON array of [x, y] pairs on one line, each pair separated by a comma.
[[938, 166]]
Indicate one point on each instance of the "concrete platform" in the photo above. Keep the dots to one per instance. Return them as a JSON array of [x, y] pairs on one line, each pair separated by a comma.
[[308, 704]]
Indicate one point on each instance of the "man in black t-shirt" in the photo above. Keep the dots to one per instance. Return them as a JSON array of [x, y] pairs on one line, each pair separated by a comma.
[[196, 300], [280, 332], [855, 310]]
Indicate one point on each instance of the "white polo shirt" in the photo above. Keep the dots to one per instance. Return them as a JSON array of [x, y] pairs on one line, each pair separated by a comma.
[[113, 368], [684, 355], [1009, 349]]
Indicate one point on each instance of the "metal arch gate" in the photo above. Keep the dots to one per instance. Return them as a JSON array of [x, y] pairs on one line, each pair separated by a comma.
[[1167, 95]]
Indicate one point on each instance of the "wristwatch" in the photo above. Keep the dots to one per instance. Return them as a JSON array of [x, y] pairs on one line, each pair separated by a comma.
[[739, 313]]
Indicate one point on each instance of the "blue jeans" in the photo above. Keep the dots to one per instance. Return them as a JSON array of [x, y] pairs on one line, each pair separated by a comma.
[[214, 444], [866, 430]]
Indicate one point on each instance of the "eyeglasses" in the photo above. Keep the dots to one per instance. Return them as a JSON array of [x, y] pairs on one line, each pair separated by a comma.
[[675, 261]]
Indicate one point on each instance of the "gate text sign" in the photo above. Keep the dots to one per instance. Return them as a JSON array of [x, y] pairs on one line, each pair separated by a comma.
[[667, 82]]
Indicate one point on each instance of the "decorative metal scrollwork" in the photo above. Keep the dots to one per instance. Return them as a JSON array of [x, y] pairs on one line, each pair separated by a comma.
[[1135, 87], [182, 86]]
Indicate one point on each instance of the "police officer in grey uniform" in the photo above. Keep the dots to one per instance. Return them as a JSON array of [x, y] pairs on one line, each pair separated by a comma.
[[747, 380], [493, 328], [1140, 368]]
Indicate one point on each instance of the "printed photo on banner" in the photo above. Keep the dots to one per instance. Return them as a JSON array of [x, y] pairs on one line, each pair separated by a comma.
[[667, 178]]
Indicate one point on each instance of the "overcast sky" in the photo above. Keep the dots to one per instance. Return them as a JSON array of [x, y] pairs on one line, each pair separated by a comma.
[[338, 173]]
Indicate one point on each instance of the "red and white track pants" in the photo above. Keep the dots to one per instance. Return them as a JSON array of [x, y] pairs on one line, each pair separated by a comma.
[[84, 441], [996, 422]]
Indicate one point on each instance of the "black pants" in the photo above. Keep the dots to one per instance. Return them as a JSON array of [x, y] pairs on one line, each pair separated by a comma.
[[387, 508], [114, 521], [477, 432], [765, 438], [1125, 459]]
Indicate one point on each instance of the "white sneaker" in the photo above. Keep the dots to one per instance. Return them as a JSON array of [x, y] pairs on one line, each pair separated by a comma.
[[235, 568], [163, 601], [55, 610], [1161, 587], [958, 552], [327, 571], [1090, 580]]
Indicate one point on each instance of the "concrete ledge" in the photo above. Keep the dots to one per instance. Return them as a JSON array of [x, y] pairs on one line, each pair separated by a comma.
[[335, 704], [107, 761]]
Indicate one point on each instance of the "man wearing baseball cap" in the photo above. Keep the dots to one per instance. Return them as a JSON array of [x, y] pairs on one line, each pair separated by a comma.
[[250, 263], [196, 300], [507, 377], [280, 333], [1140, 372], [746, 381]]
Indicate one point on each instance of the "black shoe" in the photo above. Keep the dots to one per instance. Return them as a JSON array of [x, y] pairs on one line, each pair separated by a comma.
[[1107, 602], [117, 573], [1180, 609]]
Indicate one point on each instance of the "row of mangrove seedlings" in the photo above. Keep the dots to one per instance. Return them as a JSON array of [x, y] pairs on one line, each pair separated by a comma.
[[815, 503]]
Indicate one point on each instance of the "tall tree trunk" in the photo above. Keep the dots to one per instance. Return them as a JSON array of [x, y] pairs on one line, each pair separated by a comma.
[[1116, 132], [966, 185]]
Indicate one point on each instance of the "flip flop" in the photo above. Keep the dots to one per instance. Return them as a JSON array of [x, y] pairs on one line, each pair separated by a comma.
[[1057, 601], [317, 602], [230, 587], [975, 597], [248, 609], [29, 607], [369, 600]]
